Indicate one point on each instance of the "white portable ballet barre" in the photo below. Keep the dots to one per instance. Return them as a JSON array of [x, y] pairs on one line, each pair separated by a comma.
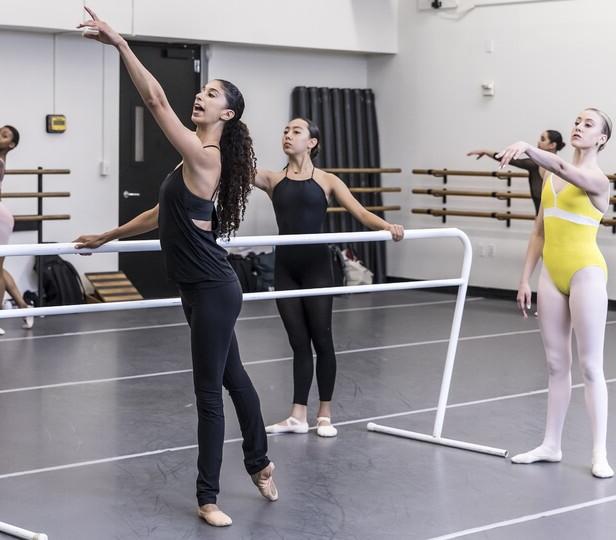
[[21, 533], [292, 239]]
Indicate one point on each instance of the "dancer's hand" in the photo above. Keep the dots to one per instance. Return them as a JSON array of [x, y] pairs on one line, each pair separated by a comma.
[[99, 30], [524, 298], [479, 153], [397, 231], [513, 151], [89, 241]]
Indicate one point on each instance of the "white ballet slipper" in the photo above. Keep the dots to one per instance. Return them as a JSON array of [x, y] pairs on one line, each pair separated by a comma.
[[28, 322], [538, 454], [601, 468], [326, 429], [2, 332], [214, 516], [290, 425]]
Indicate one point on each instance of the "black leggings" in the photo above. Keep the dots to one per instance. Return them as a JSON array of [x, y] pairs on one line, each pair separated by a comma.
[[307, 320], [211, 313]]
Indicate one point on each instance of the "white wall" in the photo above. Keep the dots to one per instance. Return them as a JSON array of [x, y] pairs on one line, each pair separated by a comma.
[[346, 25], [266, 77], [550, 60], [84, 85], [44, 74]]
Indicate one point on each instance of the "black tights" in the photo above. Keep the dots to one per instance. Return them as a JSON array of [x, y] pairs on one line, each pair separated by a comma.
[[308, 321], [211, 313]]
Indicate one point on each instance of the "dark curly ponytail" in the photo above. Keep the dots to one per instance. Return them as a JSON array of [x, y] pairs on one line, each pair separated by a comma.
[[239, 165]]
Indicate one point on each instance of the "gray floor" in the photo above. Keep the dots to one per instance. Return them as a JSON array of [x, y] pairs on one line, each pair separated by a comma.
[[98, 430]]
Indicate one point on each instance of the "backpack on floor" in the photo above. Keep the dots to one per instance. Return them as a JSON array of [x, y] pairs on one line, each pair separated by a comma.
[[355, 273], [244, 269], [61, 283], [264, 267], [337, 265]]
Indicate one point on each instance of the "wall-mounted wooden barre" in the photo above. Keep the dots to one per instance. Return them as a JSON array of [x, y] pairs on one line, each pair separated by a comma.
[[34, 217], [439, 173], [505, 216], [504, 195], [37, 171], [439, 213], [363, 170], [338, 209], [34, 194], [502, 216], [375, 189]]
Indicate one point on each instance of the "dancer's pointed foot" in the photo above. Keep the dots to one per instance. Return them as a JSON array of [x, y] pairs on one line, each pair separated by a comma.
[[264, 480], [214, 516], [541, 453]]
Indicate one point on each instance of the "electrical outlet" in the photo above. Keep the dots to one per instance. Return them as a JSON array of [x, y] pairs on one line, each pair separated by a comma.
[[424, 5]]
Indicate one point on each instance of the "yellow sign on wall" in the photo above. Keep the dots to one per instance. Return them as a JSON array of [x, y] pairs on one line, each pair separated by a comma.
[[56, 123]]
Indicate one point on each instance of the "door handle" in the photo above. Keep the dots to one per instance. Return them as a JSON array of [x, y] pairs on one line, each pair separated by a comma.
[[129, 194]]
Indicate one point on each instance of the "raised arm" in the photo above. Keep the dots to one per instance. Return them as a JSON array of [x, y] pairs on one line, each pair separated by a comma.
[[145, 222], [527, 164], [263, 180], [592, 181], [345, 198], [183, 139]]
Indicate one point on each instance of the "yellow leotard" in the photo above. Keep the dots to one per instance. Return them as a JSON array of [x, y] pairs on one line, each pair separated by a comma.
[[570, 223]]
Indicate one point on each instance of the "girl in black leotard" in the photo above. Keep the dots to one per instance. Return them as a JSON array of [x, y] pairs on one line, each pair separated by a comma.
[[217, 160], [550, 141], [300, 196]]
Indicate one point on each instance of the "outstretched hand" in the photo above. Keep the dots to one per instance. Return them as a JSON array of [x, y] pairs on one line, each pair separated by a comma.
[[99, 30], [478, 153], [513, 151]]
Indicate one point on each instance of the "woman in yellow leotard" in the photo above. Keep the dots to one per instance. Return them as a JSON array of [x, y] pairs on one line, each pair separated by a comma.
[[572, 291]]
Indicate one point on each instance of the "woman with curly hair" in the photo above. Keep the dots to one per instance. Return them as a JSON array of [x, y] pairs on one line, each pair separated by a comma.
[[217, 162]]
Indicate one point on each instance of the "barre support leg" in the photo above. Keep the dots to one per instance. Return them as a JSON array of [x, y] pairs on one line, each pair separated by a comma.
[[18, 532], [437, 440]]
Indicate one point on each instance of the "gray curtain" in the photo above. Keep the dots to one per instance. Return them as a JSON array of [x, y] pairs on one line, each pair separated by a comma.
[[349, 138]]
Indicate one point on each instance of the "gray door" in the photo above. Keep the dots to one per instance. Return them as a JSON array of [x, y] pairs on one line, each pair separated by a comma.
[[146, 156]]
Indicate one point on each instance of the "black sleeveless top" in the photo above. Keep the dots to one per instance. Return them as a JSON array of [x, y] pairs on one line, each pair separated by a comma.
[[300, 206], [191, 254]]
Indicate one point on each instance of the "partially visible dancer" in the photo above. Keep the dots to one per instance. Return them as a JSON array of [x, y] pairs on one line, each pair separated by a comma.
[[572, 291], [550, 141], [9, 139], [204, 195], [300, 194]]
